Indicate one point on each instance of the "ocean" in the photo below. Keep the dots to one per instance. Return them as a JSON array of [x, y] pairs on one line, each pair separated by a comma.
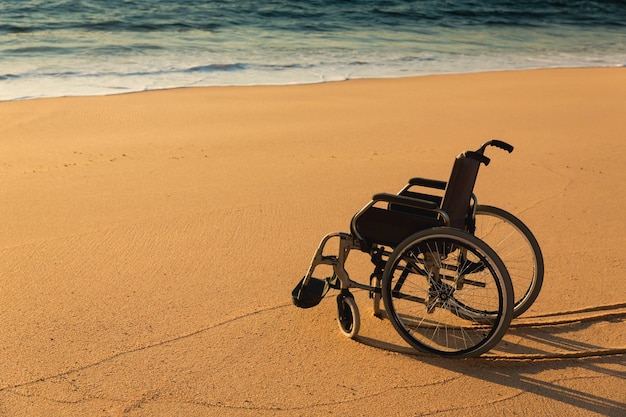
[[52, 48]]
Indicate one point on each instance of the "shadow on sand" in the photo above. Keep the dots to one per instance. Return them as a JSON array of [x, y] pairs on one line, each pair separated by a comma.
[[543, 344]]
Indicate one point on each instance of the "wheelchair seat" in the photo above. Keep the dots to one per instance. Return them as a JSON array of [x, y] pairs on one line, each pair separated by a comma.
[[390, 218]]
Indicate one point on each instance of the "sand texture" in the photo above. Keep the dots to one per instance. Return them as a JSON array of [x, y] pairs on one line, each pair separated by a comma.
[[149, 244]]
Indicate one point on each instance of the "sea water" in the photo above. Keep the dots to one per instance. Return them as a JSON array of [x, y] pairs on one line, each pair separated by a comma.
[[51, 48]]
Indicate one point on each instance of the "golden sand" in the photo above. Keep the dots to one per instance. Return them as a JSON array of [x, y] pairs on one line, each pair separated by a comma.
[[149, 244]]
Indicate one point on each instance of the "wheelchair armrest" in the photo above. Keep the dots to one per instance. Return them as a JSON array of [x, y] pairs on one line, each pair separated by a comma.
[[406, 201], [425, 182]]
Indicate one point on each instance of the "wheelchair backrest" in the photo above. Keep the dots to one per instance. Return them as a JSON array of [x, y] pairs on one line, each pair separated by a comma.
[[458, 193]]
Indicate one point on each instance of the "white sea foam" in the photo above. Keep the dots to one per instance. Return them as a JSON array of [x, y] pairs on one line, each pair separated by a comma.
[[119, 76]]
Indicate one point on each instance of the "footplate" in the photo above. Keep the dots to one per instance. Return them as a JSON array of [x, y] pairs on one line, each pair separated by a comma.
[[310, 295]]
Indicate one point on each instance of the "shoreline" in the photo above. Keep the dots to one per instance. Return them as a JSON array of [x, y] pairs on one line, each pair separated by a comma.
[[323, 81]]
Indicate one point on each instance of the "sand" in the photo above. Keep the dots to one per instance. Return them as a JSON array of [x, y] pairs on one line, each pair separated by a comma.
[[149, 244]]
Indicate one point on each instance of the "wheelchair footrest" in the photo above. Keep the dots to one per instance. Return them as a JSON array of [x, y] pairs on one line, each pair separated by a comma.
[[309, 295]]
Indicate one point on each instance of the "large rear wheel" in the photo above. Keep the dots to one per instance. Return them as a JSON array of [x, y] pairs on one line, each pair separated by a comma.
[[446, 292]]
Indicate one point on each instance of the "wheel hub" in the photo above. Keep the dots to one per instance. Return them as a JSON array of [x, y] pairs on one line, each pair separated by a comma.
[[438, 296]]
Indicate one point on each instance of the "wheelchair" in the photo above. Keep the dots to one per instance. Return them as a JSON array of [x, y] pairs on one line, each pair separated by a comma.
[[451, 273]]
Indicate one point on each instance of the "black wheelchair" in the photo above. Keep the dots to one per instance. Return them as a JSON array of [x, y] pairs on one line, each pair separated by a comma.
[[451, 273]]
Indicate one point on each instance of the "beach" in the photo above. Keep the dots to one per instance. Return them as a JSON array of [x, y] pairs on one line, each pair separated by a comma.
[[150, 242]]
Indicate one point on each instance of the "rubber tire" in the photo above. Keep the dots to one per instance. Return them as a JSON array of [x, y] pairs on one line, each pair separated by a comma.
[[348, 316]]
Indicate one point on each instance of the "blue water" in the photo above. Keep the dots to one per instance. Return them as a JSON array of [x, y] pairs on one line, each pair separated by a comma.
[[92, 47]]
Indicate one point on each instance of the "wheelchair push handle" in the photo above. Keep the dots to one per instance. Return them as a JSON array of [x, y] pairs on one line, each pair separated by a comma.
[[497, 143], [479, 154]]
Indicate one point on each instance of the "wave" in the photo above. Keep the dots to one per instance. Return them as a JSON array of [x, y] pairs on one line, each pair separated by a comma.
[[44, 49], [314, 16], [64, 47], [89, 73], [217, 67]]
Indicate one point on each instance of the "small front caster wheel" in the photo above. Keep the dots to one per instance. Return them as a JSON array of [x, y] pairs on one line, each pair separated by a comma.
[[348, 315]]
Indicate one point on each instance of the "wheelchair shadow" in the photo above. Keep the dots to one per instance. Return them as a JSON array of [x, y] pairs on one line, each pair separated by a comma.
[[528, 355]]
